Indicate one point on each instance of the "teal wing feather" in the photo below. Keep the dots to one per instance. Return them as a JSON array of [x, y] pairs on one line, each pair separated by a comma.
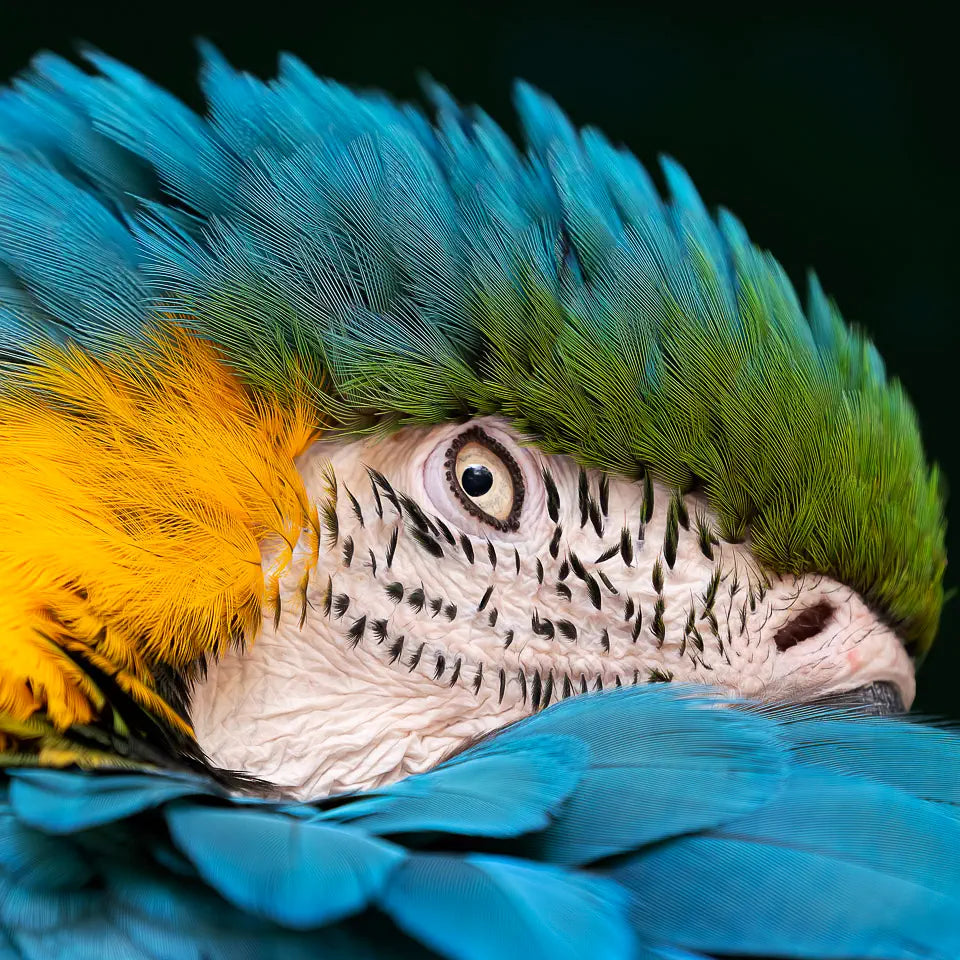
[[649, 822]]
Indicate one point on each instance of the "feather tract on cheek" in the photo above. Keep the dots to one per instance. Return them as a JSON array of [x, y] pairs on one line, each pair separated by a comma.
[[416, 543]]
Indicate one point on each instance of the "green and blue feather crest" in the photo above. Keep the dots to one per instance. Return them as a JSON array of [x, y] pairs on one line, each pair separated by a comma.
[[406, 268]]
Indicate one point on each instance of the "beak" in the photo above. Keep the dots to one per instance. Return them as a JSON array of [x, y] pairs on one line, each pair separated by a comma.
[[878, 699]]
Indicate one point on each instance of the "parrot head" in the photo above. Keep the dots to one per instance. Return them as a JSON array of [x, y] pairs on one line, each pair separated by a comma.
[[335, 437]]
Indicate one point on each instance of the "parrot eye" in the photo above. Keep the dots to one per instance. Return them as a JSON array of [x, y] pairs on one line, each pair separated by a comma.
[[485, 479]]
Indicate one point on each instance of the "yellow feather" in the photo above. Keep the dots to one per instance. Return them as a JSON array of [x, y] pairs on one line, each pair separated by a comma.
[[137, 494]]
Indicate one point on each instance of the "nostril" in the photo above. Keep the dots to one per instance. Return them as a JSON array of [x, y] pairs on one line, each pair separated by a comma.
[[806, 624]]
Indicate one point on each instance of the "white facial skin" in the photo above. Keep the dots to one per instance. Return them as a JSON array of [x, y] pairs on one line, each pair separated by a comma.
[[318, 711]]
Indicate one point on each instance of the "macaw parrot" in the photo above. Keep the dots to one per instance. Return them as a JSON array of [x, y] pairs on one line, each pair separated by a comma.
[[416, 545]]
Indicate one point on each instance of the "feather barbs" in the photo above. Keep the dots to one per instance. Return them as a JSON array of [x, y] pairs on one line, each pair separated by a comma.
[[139, 492]]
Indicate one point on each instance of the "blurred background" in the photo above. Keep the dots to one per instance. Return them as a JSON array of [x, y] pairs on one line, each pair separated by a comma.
[[826, 134]]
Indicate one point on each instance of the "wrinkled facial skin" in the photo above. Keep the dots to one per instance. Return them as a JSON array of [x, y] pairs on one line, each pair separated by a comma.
[[426, 628]]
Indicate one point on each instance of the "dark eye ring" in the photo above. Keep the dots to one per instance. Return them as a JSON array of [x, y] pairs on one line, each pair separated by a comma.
[[473, 482]]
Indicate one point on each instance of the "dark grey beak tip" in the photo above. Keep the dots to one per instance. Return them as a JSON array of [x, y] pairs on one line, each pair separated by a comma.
[[879, 699]]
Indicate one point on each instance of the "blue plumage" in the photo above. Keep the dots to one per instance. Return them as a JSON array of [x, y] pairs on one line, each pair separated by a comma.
[[649, 822]]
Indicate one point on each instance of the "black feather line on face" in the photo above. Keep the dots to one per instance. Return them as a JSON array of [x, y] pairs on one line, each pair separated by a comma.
[[429, 544], [593, 591], [608, 554], [535, 690], [555, 541], [583, 496], [348, 551], [595, 518], [646, 513], [606, 582], [356, 631], [415, 659], [626, 546], [445, 530], [394, 591], [485, 599], [553, 496], [671, 536], [547, 691], [417, 599], [355, 506], [392, 546]]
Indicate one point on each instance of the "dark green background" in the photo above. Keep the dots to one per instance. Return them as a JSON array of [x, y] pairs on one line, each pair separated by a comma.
[[827, 135]]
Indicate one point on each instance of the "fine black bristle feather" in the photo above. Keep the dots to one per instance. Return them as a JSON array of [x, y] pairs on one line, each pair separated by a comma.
[[608, 584], [415, 659], [392, 546], [394, 591], [485, 599], [356, 631], [396, 649], [671, 536], [555, 541], [608, 554], [547, 691], [595, 517], [535, 690], [626, 546], [429, 543], [647, 510], [328, 597], [583, 496], [417, 599], [553, 496], [354, 505], [593, 589]]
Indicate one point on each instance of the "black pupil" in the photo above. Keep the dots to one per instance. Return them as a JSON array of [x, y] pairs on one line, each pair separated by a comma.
[[476, 480]]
